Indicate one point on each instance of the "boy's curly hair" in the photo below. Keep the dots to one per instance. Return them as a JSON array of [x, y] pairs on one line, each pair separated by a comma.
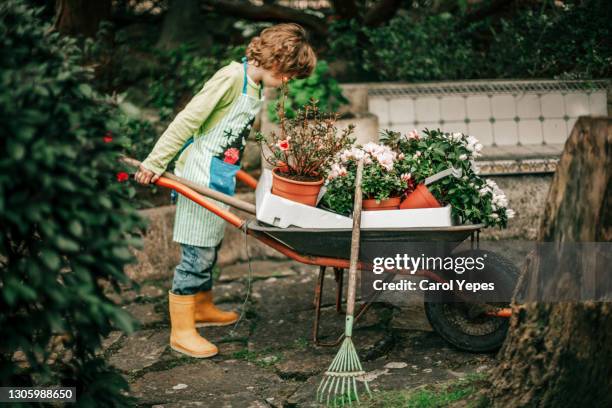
[[283, 48]]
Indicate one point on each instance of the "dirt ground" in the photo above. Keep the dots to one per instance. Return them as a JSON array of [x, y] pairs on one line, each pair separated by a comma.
[[268, 359]]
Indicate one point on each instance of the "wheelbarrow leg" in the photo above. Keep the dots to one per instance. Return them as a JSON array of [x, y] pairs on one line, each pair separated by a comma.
[[317, 304], [339, 276]]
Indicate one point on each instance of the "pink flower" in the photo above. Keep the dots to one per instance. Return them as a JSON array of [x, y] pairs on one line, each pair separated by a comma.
[[413, 134], [283, 144], [122, 176], [231, 155], [406, 177]]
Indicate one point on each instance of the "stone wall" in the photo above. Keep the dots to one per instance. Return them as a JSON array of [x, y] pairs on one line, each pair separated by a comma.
[[526, 195]]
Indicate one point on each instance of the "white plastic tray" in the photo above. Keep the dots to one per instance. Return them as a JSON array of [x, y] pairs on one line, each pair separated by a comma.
[[283, 213]]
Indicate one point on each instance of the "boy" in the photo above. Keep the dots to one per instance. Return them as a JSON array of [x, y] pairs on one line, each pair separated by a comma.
[[219, 119]]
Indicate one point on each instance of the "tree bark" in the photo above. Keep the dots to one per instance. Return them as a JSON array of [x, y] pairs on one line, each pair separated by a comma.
[[560, 354], [81, 17], [269, 12]]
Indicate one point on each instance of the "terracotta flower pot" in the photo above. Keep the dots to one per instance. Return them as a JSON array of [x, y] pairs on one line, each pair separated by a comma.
[[370, 204], [304, 192], [421, 197]]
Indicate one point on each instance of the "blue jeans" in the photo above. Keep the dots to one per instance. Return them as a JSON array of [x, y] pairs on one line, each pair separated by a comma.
[[194, 273]]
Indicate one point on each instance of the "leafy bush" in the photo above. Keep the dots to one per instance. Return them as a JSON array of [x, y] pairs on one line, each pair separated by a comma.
[[183, 75], [320, 86], [545, 41], [66, 220]]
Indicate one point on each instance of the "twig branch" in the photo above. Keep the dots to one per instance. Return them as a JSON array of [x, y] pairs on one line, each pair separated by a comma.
[[268, 12]]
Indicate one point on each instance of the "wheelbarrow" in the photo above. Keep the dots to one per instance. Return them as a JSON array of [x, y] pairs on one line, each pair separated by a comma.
[[468, 326]]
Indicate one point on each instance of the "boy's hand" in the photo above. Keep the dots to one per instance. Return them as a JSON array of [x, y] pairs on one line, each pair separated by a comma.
[[145, 176]]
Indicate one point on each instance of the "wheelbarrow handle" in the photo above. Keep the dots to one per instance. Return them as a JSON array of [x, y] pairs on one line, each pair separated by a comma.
[[201, 200], [205, 191], [247, 179]]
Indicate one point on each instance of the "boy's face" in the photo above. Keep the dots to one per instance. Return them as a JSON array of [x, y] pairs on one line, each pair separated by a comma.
[[274, 79]]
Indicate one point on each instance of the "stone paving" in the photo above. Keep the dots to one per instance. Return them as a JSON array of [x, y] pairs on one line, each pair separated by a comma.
[[268, 359]]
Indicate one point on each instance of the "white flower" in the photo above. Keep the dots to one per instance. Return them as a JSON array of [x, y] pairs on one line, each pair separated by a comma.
[[475, 167], [386, 160], [494, 216], [371, 148], [417, 154], [463, 157], [510, 213], [336, 171], [401, 156], [406, 177], [455, 137], [413, 134], [478, 147]]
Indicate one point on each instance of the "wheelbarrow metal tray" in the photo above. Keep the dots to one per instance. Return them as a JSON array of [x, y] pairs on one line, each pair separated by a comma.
[[336, 242]]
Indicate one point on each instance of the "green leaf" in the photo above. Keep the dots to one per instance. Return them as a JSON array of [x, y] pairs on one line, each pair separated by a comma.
[[50, 259]]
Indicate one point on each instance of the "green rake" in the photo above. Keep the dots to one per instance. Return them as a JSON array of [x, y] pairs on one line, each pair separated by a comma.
[[339, 384]]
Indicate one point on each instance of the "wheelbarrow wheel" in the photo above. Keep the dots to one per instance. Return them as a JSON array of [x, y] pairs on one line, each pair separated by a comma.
[[466, 325]]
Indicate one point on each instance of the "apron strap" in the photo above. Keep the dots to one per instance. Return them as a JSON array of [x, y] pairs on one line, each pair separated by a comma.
[[244, 80]]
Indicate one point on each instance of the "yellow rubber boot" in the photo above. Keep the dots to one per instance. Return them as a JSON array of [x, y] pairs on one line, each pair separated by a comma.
[[184, 338], [207, 314]]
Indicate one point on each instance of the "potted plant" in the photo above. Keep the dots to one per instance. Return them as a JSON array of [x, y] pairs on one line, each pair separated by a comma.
[[382, 184], [302, 150], [472, 198], [350, 101]]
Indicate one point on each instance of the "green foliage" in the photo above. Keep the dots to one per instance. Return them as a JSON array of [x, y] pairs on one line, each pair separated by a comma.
[[320, 86], [66, 220], [472, 198], [544, 42], [183, 75]]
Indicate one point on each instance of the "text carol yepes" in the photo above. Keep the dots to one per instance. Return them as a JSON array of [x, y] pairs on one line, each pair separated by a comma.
[[426, 285]]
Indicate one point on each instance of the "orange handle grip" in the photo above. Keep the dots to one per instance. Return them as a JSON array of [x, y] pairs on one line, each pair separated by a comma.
[[201, 200], [247, 179]]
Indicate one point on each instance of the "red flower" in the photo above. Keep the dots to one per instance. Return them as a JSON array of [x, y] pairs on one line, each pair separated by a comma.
[[108, 137], [231, 155], [122, 176], [283, 144]]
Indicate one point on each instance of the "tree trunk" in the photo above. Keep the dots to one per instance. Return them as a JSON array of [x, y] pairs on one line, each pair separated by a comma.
[[81, 17], [560, 354]]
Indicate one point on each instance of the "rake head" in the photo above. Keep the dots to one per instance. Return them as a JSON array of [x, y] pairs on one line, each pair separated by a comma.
[[339, 384]]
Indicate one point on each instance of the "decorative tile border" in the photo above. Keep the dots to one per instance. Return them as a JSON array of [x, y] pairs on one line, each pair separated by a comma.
[[485, 87], [498, 113], [518, 166]]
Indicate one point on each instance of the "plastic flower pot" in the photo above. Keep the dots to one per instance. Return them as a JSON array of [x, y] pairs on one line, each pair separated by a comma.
[[370, 204], [421, 197], [304, 192]]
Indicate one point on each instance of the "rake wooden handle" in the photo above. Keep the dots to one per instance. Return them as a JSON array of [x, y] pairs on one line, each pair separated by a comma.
[[352, 283], [205, 191]]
